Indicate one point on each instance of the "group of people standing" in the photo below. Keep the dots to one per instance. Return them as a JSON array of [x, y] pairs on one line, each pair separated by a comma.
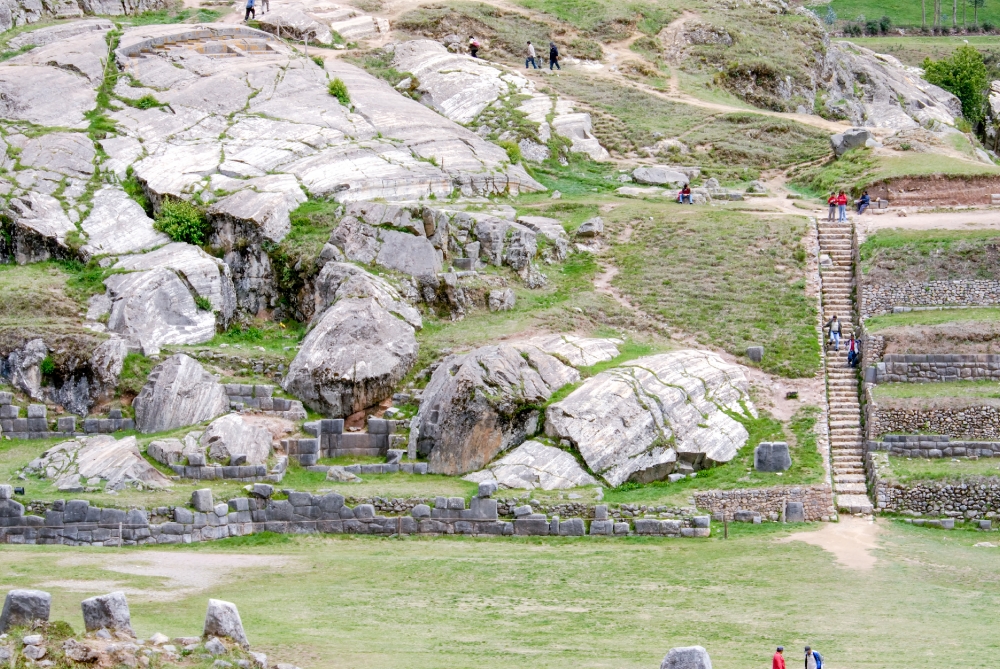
[[813, 660], [531, 58], [853, 345], [838, 206]]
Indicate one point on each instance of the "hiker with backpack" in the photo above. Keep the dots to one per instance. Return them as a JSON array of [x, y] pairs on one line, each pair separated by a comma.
[[473, 47], [813, 659]]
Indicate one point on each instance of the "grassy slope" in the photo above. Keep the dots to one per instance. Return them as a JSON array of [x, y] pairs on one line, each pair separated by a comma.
[[906, 470], [900, 255], [906, 12], [938, 317], [913, 50], [617, 603], [608, 20], [697, 271], [970, 389]]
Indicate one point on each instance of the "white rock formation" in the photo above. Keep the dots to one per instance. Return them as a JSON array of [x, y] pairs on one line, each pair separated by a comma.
[[39, 227], [535, 465], [117, 224], [179, 392], [229, 436], [338, 281], [172, 451], [636, 420], [483, 402], [116, 463], [574, 350], [318, 20]]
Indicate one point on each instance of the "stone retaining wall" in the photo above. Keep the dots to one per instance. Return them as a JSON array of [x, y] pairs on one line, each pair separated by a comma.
[[881, 298], [330, 441], [77, 523], [245, 473], [974, 423], [934, 446], [898, 368], [817, 501], [970, 500]]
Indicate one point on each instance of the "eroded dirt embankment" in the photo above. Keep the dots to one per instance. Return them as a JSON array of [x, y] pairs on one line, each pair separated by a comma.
[[936, 190]]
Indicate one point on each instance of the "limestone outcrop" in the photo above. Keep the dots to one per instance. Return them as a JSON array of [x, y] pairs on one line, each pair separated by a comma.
[[318, 21], [339, 280], [573, 350], [484, 402], [117, 225], [230, 436], [352, 358], [179, 392], [99, 460], [535, 465], [634, 422]]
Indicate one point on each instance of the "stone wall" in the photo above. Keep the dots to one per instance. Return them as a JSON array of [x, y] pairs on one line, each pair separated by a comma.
[[934, 446], [77, 523], [898, 368], [817, 501], [330, 441], [970, 500], [974, 423], [15, 13], [878, 299], [36, 425], [197, 469]]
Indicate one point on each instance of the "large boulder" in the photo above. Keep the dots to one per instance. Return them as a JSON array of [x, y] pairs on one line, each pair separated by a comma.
[[340, 280], [117, 224], [845, 141], [535, 465], [230, 435], [635, 421], [352, 359], [222, 619], [108, 612], [37, 229], [573, 350], [659, 175], [178, 393], [116, 463], [482, 403], [22, 607], [689, 657]]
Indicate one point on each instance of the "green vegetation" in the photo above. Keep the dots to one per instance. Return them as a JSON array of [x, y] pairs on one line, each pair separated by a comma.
[[965, 75], [132, 187], [929, 255], [41, 297], [12, 53], [964, 389], [202, 303], [850, 172], [338, 89], [934, 317], [730, 279], [174, 14], [182, 221], [266, 334], [906, 470], [913, 50], [733, 146], [502, 34], [513, 150], [607, 20], [378, 63], [135, 371], [906, 14]]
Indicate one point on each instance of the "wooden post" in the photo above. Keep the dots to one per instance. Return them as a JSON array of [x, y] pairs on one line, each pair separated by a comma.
[[399, 526], [119, 535], [725, 525]]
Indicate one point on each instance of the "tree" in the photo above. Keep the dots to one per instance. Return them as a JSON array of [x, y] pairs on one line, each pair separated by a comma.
[[923, 9], [965, 75], [976, 4]]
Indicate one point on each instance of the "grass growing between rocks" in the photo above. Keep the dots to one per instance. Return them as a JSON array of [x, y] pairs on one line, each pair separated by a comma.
[[550, 603], [910, 470], [935, 317], [729, 279]]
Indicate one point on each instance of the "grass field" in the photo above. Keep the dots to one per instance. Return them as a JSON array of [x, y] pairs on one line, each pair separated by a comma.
[[971, 389], [907, 470], [696, 270], [936, 317], [912, 50], [926, 255], [906, 12], [368, 603]]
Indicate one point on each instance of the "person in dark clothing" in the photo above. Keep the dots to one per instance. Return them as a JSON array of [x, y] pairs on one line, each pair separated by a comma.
[[250, 11], [473, 47], [685, 195], [863, 202], [853, 352], [553, 56]]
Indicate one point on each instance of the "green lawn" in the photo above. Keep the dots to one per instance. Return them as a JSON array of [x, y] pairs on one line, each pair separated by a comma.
[[729, 279], [985, 389], [906, 12], [896, 254], [369, 603], [935, 317], [907, 470]]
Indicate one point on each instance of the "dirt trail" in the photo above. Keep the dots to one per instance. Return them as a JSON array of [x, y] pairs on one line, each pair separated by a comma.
[[852, 541]]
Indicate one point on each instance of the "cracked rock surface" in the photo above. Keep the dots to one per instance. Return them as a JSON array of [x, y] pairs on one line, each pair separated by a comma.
[[634, 422], [116, 463], [535, 465]]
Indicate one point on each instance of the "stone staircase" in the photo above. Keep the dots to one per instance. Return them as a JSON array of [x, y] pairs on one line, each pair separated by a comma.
[[846, 438]]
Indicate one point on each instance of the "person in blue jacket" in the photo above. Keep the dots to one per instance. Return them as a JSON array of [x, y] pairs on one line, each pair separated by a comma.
[[813, 659], [863, 202]]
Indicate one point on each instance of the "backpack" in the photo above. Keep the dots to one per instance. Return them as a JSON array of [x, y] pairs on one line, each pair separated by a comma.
[[819, 659]]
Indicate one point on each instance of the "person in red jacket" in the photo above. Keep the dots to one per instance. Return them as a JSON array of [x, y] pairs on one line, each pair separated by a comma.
[[779, 660], [842, 207]]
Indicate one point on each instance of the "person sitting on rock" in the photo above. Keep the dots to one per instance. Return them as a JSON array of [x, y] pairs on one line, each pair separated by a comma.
[[685, 195], [530, 57], [853, 352], [473, 47], [863, 202]]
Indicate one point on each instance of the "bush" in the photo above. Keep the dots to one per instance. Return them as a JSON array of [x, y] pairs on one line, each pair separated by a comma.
[[319, 61], [338, 89], [884, 24], [872, 27], [48, 367], [202, 303], [513, 150], [988, 27], [965, 75], [182, 222]]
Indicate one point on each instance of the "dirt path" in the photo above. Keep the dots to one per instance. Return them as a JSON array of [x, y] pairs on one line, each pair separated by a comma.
[[852, 541], [961, 219]]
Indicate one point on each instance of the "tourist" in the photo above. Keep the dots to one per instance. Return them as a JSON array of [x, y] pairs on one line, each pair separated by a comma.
[[685, 195], [530, 60], [553, 56], [834, 326], [250, 11], [473, 46], [853, 352], [842, 207], [779, 660], [832, 214], [813, 659], [863, 203], [265, 7]]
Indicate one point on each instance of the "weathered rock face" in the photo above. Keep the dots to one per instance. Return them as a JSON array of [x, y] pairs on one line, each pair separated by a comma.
[[573, 350], [352, 358], [21, 12], [230, 436], [172, 451], [633, 422], [179, 392], [854, 138], [109, 612], [36, 228], [115, 463], [117, 224], [22, 607], [316, 21], [482, 403], [222, 619], [338, 281], [690, 657], [25, 371], [535, 465], [875, 90], [659, 175]]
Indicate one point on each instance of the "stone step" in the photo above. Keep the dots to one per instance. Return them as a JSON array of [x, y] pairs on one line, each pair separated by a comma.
[[850, 488], [854, 504], [849, 478]]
